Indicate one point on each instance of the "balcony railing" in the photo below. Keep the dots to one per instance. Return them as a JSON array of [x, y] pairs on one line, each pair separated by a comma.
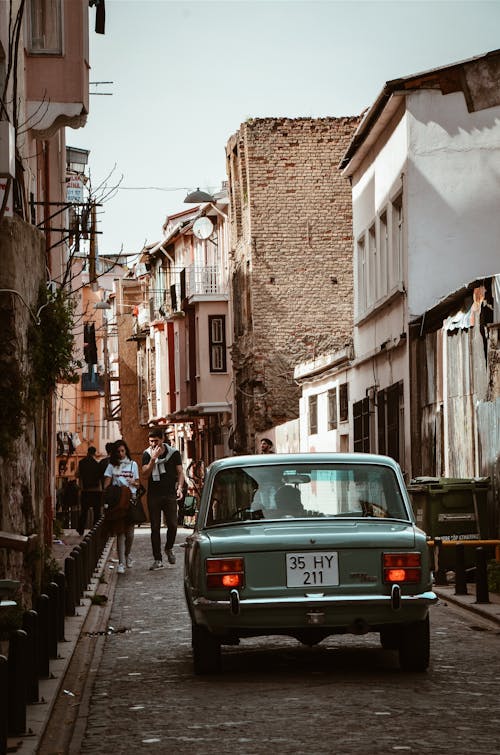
[[205, 280], [91, 381]]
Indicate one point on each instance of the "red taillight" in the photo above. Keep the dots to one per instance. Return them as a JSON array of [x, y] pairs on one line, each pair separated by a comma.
[[225, 573], [402, 567]]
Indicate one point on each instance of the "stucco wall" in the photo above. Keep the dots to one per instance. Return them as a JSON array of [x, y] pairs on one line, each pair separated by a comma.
[[454, 196]]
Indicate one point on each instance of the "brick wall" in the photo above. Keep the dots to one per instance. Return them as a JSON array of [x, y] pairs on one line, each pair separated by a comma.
[[291, 241]]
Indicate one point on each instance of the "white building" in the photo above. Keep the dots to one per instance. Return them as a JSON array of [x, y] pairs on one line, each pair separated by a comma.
[[424, 166]]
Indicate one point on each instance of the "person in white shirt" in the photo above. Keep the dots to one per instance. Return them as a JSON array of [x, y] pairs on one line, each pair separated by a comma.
[[122, 472]]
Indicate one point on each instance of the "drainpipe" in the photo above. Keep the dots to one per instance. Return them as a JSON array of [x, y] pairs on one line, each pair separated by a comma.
[[46, 207]]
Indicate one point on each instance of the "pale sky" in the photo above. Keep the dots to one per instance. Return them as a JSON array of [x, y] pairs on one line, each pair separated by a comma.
[[187, 73]]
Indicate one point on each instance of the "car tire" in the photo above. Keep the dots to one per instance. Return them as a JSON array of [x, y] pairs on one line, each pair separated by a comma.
[[390, 638], [206, 650], [414, 646]]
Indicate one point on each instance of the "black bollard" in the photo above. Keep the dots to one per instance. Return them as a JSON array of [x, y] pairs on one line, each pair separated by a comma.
[[460, 576], [60, 580], [42, 609], [482, 593], [84, 547], [70, 574], [440, 572], [53, 593], [30, 626], [4, 702], [77, 555], [16, 707]]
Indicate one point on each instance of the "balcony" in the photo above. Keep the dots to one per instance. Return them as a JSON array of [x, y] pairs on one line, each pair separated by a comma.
[[92, 382], [206, 280]]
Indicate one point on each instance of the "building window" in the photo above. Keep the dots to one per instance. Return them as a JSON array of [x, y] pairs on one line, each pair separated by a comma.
[[371, 273], [396, 270], [343, 402], [332, 409], [362, 276], [313, 415], [361, 419], [217, 338], [390, 418], [45, 27], [382, 256]]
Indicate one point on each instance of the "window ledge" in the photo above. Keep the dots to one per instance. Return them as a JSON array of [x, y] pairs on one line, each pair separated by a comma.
[[396, 293]]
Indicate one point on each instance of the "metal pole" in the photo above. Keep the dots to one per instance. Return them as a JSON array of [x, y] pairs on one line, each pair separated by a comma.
[[42, 609], [4, 698], [440, 573], [53, 593], [60, 580], [460, 576], [17, 682], [30, 626], [69, 573], [482, 594]]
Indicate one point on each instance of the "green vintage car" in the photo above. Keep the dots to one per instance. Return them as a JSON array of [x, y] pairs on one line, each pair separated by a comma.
[[307, 545]]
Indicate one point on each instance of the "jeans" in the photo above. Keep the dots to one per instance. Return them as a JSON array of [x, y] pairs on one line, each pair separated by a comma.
[[156, 505], [124, 544]]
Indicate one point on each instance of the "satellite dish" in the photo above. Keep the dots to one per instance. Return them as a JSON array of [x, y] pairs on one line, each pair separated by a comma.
[[203, 228]]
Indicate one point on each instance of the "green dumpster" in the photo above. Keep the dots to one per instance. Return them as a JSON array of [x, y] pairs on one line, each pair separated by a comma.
[[451, 509]]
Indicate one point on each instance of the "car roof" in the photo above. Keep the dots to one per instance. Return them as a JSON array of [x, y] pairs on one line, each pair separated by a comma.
[[254, 460]]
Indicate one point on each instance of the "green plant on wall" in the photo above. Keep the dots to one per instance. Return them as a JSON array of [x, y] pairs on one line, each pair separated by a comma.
[[50, 359], [52, 343]]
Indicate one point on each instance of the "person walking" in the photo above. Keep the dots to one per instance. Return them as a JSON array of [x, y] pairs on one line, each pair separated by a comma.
[[121, 472], [90, 483], [103, 463], [162, 466]]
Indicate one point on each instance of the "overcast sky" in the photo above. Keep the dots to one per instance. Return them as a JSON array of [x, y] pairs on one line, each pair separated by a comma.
[[186, 74]]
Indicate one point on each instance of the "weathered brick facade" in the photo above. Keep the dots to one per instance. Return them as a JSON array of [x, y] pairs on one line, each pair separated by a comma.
[[292, 277]]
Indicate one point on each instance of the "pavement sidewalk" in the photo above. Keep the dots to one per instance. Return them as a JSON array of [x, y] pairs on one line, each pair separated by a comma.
[[490, 611], [38, 714]]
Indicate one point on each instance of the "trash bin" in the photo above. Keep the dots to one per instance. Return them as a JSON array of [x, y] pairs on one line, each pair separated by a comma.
[[451, 509]]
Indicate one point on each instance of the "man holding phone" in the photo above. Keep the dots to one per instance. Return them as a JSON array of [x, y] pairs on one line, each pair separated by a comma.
[[162, 465]]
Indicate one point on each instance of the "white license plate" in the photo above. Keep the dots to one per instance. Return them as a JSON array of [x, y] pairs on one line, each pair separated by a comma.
[[312, 569]]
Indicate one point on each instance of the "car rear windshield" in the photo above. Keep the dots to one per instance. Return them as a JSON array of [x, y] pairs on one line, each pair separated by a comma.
[[320, 490]]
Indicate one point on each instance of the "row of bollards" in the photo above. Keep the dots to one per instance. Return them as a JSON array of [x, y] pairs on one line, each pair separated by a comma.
[[480, 570], [33, 646]]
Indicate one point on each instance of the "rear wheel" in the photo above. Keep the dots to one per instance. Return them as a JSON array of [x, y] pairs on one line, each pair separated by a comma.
[[414, 646], [206, 650]]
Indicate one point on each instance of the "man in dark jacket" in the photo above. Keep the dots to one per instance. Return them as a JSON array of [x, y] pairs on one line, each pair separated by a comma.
[[89, 475], [162, 465]]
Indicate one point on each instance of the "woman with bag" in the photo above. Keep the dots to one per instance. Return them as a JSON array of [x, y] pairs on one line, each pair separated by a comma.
[[121, 481]]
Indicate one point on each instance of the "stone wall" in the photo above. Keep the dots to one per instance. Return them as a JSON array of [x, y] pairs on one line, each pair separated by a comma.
[[23, 463], [292, 277]]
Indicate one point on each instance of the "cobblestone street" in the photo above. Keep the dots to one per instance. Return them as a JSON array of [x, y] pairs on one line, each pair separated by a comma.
[[344, 696]]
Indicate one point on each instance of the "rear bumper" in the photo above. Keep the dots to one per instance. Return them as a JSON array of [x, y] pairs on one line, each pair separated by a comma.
[[293, 613]]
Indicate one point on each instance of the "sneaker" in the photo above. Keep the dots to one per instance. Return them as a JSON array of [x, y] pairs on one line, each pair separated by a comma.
[[121, 569], [170, 556], [156, 565], [129, 561]]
